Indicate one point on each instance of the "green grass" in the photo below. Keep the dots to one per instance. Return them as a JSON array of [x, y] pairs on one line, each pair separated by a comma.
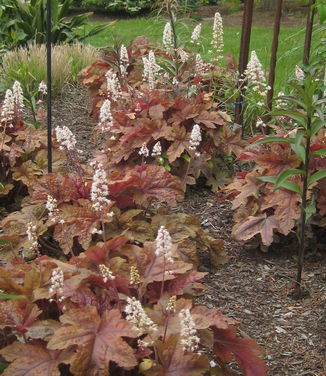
[[289, 53]]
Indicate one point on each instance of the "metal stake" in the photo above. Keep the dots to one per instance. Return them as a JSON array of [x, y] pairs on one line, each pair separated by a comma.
[[48, 61], [309, 27]]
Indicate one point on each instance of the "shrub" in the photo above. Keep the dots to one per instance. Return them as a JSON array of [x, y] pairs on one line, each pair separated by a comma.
[[67, 61]]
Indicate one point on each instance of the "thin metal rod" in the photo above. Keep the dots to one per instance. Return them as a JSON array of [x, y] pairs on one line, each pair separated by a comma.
[[244, 53], [271, 81], [309, 27], [49, 84]]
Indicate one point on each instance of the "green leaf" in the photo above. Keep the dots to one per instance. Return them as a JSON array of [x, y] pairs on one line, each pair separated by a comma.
[[310, 210], [270, 139], [319, 153], [9, 296], [268, 179], [316, 177], [298, 148], [285, 175]]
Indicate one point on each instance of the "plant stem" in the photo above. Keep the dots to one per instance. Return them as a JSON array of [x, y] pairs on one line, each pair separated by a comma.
[[303, 214], [166, 326], [162, 285]]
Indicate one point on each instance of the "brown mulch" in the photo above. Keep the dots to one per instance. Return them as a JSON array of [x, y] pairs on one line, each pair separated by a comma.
[[253, 286]]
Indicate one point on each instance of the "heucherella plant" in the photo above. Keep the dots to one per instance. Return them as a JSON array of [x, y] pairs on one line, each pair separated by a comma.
[[308, 116], [113, 86]]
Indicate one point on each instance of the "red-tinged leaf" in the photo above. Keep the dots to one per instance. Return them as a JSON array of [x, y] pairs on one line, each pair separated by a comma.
[[317, 147], [245, 350], [232, 141], [287, 208], [210, 119], [97, 254], [155, 182], [252, 225], [185, 283], [180, 142], [26, 172], [174, 362], [214, 317], [62, 188], [276, 159], [18, 314], [98, 338], [156, 112], [80, 220], [34, 359], [249, 187]]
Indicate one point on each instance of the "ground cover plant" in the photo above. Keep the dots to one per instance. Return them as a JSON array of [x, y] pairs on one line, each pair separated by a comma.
[[160, 107], [119, 299]]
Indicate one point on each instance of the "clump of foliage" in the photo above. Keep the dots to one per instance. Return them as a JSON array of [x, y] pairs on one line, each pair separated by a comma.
[[156, 99], [119, 300], [285, 188]]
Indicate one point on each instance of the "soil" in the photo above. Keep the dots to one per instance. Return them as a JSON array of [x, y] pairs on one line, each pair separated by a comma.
[[253, 286]]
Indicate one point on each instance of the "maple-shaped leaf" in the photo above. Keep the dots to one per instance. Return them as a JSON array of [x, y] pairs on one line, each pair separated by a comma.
[[261, 224], [31, 139], [210, 119], [34, 359], [26, 172], [275, 159], [174, 362], [99, 339], [155, 182], [287, 208], [80, 220], [245, 350], [18, 314], [180, 141], [249, 186], [232, 141], [62, 188]]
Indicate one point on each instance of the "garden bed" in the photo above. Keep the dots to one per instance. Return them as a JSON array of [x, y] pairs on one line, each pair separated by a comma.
[[253, 286]]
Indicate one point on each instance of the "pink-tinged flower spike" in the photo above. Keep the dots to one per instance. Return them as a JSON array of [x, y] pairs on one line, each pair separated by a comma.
[[151, 70], [42, 88], [57, 284], [195, 34], [32, 237], [106, 273], [164, 244], [167, 38], [8, 108], [218, 41], [18, 96], [138, 317], [195, 137], [52, 208], [113, 85], [183, 55], [200, 67], [124, 60], [255, 76], [299, 73], [105, 117], [100, 189], [189, 338], [144, 150], [66, 138], [157, 149]]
